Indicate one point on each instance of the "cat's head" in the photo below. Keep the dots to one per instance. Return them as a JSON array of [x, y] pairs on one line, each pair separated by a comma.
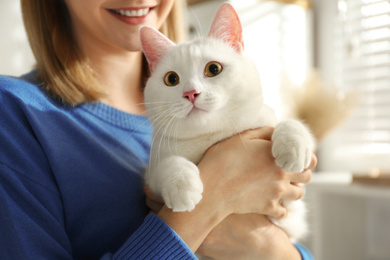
[[204, 84]]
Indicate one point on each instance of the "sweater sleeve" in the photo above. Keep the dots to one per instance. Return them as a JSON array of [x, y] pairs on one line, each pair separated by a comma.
[[304, 252], [153, 240], [31, 227]]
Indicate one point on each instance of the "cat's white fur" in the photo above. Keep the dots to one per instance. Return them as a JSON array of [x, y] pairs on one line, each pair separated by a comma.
[[228, 103]]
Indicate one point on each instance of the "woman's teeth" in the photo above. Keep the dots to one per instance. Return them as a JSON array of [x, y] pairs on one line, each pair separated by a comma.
[[133, 13]]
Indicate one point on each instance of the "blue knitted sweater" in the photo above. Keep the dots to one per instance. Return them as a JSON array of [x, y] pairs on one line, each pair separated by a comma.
[[70, 181]]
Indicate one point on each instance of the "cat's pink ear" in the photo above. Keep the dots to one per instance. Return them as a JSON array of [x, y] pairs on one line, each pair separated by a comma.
[[154, 45], [227, 26]]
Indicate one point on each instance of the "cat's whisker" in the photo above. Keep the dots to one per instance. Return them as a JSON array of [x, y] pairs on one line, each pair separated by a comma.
[[158, 124], [158, 114], [173, 134], [158, 108], [178, 110], [232, 122], [219, 123], [155, 102], [167, 124], [177, 133], [158, 102], [171, 147], [219, 128], [132, 132], [159, 145], [156, 119], [166, 133], [199, 32]]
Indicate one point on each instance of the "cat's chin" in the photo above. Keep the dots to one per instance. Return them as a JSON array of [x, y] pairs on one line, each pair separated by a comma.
[[197, 117]]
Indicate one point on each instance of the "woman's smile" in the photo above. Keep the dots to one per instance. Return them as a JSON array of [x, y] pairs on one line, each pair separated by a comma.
[[132, 16], [110, 23], [132, 12]]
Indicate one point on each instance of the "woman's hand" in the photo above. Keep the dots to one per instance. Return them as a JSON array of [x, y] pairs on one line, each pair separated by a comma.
[[240, 176], [153, 201], [248, 236]]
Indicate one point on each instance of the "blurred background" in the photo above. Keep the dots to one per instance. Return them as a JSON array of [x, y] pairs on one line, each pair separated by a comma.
[[326, 62]]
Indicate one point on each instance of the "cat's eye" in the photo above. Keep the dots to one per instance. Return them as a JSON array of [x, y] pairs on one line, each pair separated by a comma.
[[171, 79], [212, 69]]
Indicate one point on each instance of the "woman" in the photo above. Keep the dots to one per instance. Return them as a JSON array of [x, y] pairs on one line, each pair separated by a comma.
[[74, 144]]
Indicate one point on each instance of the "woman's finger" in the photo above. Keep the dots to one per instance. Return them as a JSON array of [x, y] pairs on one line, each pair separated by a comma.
[[294, 192], [277, 210], [303, 177], [153, 206], [153, 201], [264, 133], [152, 196], [313, 162]]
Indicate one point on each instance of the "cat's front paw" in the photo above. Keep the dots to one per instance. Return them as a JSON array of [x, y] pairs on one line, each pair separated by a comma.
[[292, 146], [183, 190]]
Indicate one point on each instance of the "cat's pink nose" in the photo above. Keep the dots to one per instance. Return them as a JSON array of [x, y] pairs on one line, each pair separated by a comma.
[[191, 95]]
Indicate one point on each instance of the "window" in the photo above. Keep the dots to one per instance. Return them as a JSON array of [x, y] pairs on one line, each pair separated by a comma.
[[362, 64]]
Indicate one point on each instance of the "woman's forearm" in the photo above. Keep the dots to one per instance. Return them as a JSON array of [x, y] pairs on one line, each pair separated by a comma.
[[193, 227]]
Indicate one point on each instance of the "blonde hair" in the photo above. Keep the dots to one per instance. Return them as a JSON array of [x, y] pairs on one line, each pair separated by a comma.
[[63, 71]]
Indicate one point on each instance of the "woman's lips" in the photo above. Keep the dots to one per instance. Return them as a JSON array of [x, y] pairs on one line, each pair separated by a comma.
[[132, 16], [132, 12]]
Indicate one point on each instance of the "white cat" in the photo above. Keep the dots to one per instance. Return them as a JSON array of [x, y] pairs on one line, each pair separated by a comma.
[[202, 92]]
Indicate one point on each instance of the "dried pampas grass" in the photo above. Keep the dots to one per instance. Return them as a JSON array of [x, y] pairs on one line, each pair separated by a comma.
[[321, 107]]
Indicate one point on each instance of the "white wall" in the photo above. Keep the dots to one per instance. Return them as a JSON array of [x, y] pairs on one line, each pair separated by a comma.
[[16, 57]]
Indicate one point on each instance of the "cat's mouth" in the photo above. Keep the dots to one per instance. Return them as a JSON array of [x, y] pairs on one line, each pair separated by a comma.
[[196, 111]]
